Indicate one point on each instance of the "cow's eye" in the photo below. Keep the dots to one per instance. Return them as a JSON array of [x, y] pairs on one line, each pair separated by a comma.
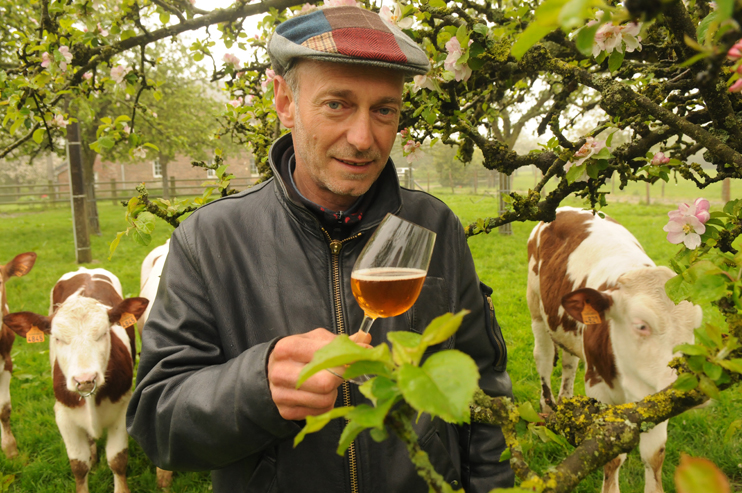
[[58, 340], [642, 327]]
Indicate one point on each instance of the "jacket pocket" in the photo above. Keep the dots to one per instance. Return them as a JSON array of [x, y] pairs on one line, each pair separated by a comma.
[[263, 479], [440, 457], [432, 302], [493, 329]]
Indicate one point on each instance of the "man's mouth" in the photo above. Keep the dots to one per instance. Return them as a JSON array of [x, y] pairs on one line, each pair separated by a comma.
[[354, 163]]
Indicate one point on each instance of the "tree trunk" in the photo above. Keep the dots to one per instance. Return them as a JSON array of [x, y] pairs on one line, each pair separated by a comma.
[[77, 189], [165, 181], [88, 174]]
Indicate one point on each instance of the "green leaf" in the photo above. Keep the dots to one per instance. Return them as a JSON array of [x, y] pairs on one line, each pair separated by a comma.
[[106, 142], [695, 58], [145, 222], [734, 365], [481, 29], [696, 474], [442, 328], [380, 389], [38, 135], [573, 14], [712, 371], [615, 61], [714, 334], [406, 347], [342, 351], [734, 427], [142, 238], [115, 243], [575, 172], [532, 35], [557, 438], [316, 423], [443, 386], [686, 382], [366, 368], [708, 387], [506, 455], [437, 4], [151, 146], [164, 17], [691, 349], [677, 289], [528, 413]]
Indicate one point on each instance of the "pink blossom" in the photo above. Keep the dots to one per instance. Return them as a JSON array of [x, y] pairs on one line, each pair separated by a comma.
[[611, 37], [342, 3], [588, 149], [235, 102], [154, 115], [735, 52], [423, 81], [192, 2], [140, 152], [686, 224], [404, 133], [249, 98], [102, 31], [87, 75], [736, 87], [65, 51], [126, 129], [59, 121], [45, 59], [118, 74], [460, 71], [269, 76], [393, 16], [660, 158], [231, 59], [307, 7], [411, 151]]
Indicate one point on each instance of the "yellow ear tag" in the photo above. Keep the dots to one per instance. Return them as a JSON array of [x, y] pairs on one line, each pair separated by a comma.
[[590, 316], [21, 270], [127, 320], [34, 335]]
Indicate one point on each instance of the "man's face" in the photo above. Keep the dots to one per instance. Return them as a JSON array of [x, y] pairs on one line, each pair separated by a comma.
[[344, 121]]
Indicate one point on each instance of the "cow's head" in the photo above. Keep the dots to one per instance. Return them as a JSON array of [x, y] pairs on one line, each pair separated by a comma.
[[80, 341], [644, 326], [19, 266]]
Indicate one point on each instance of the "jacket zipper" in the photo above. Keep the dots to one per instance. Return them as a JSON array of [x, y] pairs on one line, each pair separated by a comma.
[[497, 339], [335, 247]]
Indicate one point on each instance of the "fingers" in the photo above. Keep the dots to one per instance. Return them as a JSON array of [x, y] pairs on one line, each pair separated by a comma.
[[361, 338]]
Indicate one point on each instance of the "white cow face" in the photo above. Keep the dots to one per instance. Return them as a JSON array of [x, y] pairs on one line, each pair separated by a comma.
[[645, 326], [80, 339]]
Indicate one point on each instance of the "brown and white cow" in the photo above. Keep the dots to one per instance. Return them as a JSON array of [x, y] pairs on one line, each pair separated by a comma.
[[19, 266], [149, 281], [92, 360], [582, 268]]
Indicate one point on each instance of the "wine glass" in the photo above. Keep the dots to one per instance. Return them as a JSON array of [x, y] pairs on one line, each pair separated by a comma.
[[390, 271]]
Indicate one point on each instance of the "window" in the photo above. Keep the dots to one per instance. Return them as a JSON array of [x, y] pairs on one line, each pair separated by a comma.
[[210, 173], [156, 168]]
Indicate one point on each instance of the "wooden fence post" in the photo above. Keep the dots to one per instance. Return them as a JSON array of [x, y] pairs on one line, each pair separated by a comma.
[[114, 194], [52, 194], [505, 229], [77, 189]]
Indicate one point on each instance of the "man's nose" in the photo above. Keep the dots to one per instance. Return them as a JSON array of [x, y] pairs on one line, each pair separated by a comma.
[[360, 134]]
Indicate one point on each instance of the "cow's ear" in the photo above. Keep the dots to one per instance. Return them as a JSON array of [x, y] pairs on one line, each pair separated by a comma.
[[21, 322], [587, 305], [135, 306], [20, 265]]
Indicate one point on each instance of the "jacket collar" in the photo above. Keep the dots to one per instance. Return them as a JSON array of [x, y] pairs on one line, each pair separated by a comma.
[[388, 196]]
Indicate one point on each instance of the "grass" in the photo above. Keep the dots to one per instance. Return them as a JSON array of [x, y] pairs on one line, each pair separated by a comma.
[[501, 262]]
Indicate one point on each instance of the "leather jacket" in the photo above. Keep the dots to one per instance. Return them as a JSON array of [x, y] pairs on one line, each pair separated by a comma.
[[256, 266]]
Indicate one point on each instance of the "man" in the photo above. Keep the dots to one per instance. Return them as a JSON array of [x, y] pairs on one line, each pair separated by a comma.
[[255, 283]]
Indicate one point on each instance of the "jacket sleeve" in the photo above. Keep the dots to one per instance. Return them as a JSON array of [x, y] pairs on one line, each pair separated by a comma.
[[480, 337], [193, 408]]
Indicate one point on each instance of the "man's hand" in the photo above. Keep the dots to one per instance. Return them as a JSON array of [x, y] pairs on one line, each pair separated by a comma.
[[318, 394]]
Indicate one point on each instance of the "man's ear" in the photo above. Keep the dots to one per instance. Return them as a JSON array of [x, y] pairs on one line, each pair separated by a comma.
[[285, 104]]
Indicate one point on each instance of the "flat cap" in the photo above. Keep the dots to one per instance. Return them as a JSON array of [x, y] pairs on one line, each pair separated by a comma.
[[347, 35]]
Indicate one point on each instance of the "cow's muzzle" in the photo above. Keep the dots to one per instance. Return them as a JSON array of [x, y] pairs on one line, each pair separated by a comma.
[[86, 388]]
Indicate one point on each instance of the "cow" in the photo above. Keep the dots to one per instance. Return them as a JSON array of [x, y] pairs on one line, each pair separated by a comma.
[[92, 355], [19, 266], [149, 281], [594, 292]]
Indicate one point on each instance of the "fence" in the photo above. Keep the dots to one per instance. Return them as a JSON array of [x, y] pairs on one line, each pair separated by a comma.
[[113, 190]]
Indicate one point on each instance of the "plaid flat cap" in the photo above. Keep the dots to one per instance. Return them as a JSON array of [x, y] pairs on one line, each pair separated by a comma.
[[348, 35]]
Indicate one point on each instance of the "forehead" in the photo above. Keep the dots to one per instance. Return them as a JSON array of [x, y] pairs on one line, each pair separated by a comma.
[[80, 315], [317, 78]]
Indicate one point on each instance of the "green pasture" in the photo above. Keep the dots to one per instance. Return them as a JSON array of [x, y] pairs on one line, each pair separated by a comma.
[[42, 465]]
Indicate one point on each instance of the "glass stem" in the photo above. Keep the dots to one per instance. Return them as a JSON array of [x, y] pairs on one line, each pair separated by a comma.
[[366, 324]]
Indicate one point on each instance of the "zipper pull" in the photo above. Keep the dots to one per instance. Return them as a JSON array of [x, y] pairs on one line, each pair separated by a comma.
[[336, 246]]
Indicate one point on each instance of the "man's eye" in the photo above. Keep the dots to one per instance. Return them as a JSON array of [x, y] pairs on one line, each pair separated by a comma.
[[386, 111], [334, 105]]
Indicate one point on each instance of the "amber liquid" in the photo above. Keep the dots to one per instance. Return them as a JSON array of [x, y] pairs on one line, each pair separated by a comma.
[[386, 291]]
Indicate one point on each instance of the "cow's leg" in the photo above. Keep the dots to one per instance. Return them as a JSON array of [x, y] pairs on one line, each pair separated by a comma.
[[93, 451], [78, 447], [164, 479], [652, 450], [610, 474], [569, 371], [543, 353], [7, 440], [117, 452]]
